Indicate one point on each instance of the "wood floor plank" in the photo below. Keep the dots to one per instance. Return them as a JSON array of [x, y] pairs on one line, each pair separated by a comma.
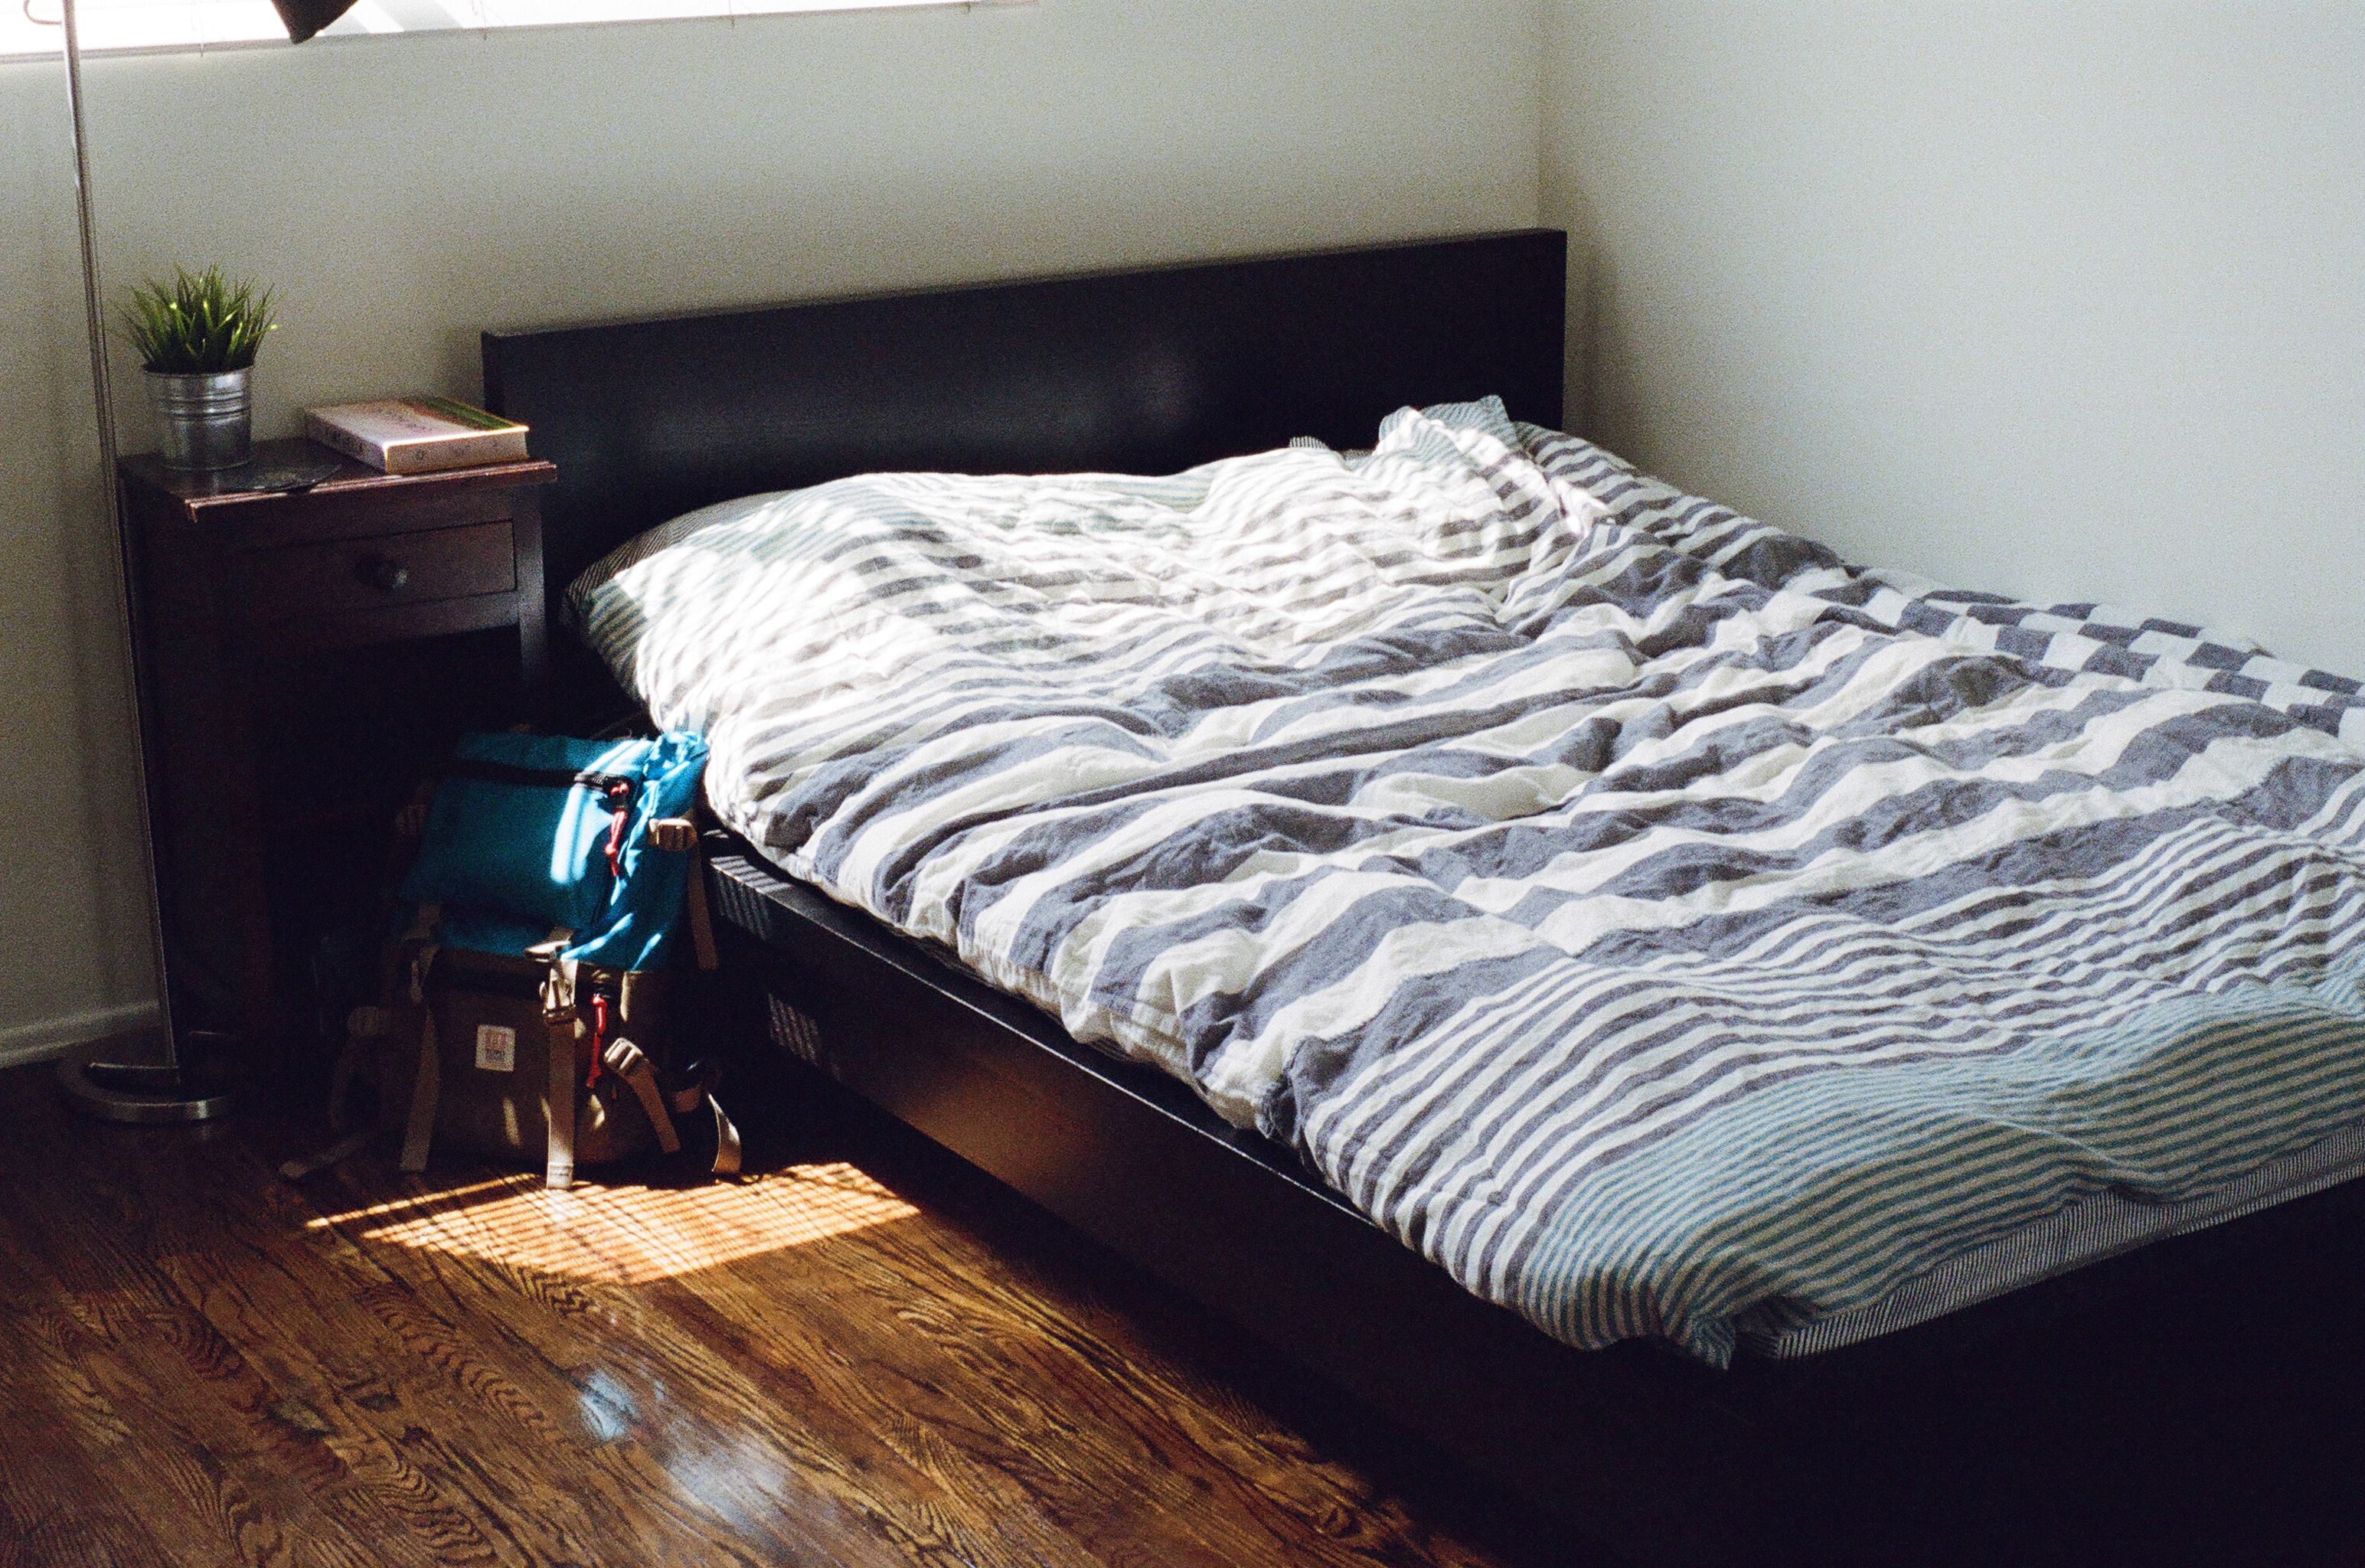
[[763, 1377], [232, 1449], [785, 1368], [401, 1466], [493, 1427], [204, 1363], [1005, 1402], [646, 1388], [55, 1508], [134, 1417]]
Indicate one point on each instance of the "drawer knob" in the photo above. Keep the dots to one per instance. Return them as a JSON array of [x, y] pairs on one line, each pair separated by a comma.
[[385, 575]]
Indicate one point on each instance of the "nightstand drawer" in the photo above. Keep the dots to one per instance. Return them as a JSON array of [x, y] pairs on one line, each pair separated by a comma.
[[304, 581]]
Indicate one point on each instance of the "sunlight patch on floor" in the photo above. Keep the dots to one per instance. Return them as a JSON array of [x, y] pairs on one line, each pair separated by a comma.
[[628, 1235]]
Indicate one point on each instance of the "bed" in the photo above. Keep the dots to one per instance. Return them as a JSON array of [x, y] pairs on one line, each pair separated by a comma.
[[1260, 1102]]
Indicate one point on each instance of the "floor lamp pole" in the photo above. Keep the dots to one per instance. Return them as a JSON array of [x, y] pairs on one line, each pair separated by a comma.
[[123, 1091]]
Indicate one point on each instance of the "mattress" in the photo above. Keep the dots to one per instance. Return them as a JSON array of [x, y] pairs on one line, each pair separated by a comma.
[[1666, 926]]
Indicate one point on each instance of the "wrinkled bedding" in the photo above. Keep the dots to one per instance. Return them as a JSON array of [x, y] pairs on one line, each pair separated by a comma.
[[1664, 925]]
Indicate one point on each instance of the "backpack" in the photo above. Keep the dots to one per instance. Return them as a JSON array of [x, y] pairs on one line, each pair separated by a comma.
[[526, 1003]]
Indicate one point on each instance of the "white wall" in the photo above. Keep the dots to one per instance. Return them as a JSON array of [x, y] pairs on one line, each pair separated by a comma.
[[2061, 297], [403, 193], [73, 909]]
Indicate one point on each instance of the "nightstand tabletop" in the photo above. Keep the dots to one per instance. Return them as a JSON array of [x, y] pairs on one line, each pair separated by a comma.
[[226, 486]]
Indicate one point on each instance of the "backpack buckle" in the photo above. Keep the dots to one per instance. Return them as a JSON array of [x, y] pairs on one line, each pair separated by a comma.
[[559, 996]]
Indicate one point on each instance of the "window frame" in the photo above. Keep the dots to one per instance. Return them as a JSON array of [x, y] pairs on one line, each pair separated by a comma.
[[354, 28]]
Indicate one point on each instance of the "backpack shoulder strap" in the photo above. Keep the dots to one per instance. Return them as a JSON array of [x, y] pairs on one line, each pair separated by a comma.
[[426, 1085], [631, 1063], [726, 1140], [690, 1097], [558, 1019]]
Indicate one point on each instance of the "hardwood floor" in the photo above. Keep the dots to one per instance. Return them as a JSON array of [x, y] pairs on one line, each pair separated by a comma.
[[865, 1354]]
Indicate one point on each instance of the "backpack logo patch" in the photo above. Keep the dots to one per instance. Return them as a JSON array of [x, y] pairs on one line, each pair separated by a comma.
[[496, 1048]]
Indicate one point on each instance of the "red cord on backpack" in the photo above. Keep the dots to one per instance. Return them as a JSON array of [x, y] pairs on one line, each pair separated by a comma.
[[620, 801], [598, 1036]]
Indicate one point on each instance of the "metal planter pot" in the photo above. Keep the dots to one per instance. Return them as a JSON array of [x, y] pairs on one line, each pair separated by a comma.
[[204, 422]]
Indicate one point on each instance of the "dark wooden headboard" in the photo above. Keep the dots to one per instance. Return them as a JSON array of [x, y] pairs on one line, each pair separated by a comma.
[[1130, 371]]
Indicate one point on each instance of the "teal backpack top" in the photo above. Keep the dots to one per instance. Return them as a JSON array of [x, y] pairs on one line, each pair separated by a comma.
[[535, 837]]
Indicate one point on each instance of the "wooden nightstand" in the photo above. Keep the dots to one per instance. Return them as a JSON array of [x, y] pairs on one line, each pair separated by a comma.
[[304, 660]]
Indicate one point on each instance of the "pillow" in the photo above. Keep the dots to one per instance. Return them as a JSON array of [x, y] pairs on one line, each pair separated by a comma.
[[647, 542]]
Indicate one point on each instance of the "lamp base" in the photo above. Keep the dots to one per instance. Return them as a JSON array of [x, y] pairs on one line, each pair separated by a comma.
[[144, 1093]]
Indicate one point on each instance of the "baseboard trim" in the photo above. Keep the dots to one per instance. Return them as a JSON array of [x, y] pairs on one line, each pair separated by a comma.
[[48, 1038]]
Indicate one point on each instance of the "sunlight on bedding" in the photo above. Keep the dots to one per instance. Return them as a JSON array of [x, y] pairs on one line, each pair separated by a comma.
[[1669, 928], [628, 1235]]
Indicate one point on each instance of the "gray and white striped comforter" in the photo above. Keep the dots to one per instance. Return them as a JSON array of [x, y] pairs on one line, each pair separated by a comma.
[[1664, 926]]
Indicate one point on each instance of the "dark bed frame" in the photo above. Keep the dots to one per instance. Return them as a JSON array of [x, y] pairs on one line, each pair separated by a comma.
[[2114, 1413]]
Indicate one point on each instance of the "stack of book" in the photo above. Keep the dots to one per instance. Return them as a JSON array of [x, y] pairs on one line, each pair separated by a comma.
[[417, 435]]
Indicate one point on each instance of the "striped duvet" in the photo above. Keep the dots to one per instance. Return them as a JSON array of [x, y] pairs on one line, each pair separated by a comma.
[[1664, 926]]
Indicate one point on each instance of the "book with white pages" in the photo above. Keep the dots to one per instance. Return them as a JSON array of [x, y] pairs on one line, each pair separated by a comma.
[[417, 435]]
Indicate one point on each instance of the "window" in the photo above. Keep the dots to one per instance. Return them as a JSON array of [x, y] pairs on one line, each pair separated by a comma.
[[29, 28]]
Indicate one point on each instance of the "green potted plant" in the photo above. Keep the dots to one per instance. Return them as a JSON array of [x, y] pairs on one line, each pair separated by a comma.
[[197, 336]]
